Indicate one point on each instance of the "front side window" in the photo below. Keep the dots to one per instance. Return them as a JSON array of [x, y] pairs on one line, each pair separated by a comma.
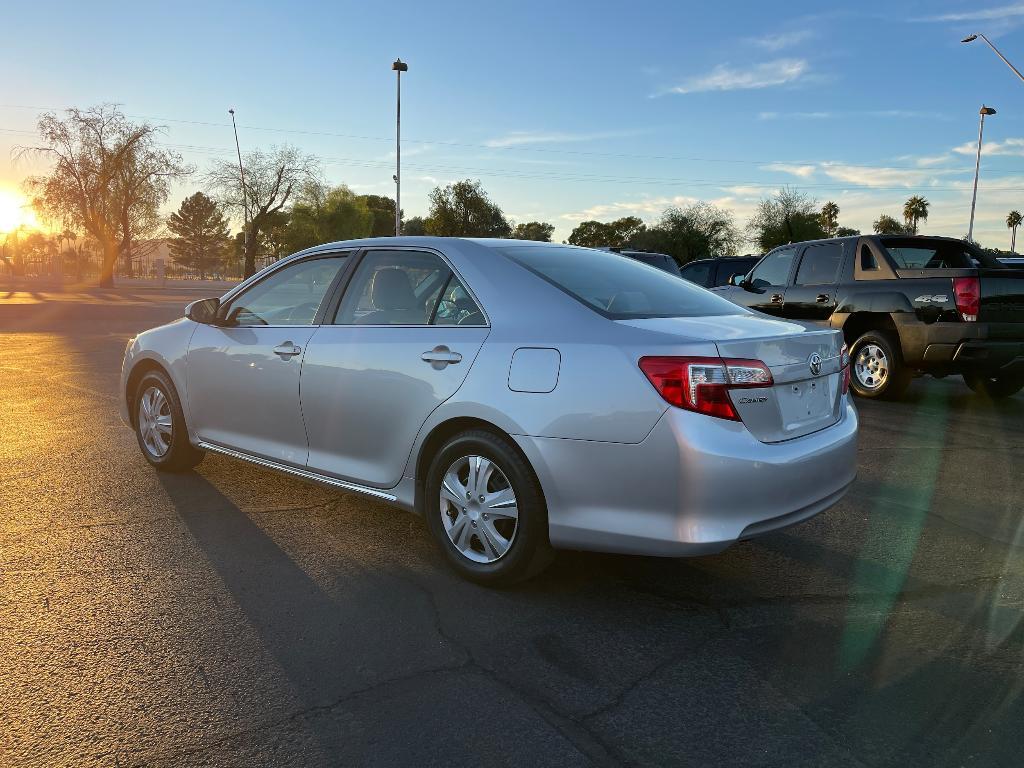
[[406, 288], [773, 269], [289, 296], [697, 273], [820, 264], [616, 287]]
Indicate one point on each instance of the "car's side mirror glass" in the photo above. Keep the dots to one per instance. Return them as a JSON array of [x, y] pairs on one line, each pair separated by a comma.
[[738, 280], [203, 311]]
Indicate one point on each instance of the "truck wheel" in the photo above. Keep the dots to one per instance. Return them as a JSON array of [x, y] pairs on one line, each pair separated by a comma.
[[994, 387], [878, 370]]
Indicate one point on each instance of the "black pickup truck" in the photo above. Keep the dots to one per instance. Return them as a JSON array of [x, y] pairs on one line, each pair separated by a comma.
[[906, 304]]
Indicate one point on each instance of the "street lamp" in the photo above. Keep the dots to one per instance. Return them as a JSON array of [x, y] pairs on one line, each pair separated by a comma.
[[977, 166], [972, 38], [245, 197], [399, 67]]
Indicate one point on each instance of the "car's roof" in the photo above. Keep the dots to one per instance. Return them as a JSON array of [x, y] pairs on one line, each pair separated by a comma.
[[428, 241]]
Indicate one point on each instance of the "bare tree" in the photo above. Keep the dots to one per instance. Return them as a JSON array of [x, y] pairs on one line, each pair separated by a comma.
[[271, 178], [107, 176]]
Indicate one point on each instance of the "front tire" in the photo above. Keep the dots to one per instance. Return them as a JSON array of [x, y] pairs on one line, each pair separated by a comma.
[[486, 511], [994, 387], [160, 425], [878, 370]]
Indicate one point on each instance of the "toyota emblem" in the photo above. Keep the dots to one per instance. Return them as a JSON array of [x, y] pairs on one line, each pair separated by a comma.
[[814, 363]]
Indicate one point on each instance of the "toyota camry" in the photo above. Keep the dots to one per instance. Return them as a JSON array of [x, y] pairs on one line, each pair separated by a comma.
[[521, 396]]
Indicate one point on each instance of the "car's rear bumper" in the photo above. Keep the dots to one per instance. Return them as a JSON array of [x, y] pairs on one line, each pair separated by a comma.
[[694, 486]]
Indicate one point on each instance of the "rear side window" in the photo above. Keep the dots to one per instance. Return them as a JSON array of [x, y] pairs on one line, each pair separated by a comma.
[[616, 287], [923, 253], [820, 264], [867, 258], [698, 272]]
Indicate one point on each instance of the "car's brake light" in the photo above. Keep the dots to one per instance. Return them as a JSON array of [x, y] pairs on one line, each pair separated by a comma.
[[702, 384], [967, 291], [844, 362]]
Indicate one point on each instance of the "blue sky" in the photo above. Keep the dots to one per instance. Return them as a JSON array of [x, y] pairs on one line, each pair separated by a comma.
[[564, 111]]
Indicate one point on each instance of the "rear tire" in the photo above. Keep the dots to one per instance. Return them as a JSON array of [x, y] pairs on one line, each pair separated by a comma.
[[474, 485], [877, 367], [994, 387], [160, 425]]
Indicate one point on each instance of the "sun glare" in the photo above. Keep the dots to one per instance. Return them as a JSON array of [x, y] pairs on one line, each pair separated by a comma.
[[15, 211]]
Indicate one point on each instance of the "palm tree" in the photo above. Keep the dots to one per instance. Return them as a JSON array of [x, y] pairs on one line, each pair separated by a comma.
[[915, 209], [829, 218], [1013, 220]]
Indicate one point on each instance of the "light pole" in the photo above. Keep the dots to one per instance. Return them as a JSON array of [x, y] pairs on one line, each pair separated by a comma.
[[977, 166], [972, 38], [399, 67], [245, 197]]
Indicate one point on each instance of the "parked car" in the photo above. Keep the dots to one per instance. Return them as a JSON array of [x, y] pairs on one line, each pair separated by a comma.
[[906, 305], [521, 396], [1017, 262], [712, 273], [662, 261]]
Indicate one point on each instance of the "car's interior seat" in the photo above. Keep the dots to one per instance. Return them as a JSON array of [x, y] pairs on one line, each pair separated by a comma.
[[394, 301]]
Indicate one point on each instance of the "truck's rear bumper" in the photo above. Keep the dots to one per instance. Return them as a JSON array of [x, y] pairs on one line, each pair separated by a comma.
[[965, 347]]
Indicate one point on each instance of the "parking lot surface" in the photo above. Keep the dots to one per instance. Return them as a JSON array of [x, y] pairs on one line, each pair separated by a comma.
[[231, 616]]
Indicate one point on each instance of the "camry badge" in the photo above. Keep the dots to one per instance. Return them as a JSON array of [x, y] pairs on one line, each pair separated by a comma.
[[814, 363]]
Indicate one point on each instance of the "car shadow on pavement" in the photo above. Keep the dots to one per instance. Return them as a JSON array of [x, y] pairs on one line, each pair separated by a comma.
[[330, 647]]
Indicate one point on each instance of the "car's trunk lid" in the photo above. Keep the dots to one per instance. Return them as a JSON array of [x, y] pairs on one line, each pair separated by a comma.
[[804, 398]]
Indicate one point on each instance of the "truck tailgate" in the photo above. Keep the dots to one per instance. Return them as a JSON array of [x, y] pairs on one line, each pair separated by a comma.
[[1002, 296]]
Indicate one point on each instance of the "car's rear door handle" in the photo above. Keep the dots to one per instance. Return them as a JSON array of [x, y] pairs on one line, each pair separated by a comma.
[[440, 356], [823, 298], [287, 350], [776, 298]]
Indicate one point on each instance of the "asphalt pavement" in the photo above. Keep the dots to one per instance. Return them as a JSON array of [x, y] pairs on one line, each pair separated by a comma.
[[234, 617]]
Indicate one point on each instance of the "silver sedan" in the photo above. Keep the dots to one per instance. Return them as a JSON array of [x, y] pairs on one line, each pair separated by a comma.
[[520, 396]]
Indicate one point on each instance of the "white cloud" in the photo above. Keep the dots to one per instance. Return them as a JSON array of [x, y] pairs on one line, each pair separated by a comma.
[[795, 115], [877, 177], [782, 40], [1012, 147], [521, 138], [646, 208], [727, 78], [803, 171], [982, 14]]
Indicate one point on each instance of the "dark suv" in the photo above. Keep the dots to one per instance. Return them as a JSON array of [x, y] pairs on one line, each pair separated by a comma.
[[712, 273]]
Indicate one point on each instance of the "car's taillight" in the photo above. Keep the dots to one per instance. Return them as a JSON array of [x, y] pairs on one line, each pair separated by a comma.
[[702, 384], [844, 362], [967, 291]]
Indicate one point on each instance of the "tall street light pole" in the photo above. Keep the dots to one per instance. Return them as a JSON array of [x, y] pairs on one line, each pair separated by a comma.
[[972, 38], [245, 197], [977, 166], [399, 67]]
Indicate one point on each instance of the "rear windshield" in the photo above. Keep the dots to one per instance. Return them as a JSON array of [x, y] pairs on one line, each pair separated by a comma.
[[921, 253], [616, 286]]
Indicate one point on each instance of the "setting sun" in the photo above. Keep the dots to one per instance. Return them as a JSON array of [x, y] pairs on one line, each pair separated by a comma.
[[14, 210]]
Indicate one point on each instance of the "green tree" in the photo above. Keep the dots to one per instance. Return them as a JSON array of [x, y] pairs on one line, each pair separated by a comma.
[[914, 210], [1013, 220], [382, 215], [271, 179], [415, 227], [846, 232], [788, 217], [699, 231], [614, 234], [463, 209], [321, 215], [201, 234], [534, 230], [887, 225], [829, 218], [108, 177]]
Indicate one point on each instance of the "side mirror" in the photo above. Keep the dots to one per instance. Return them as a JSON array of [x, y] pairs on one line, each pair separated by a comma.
[[203, 311], [737, 279]]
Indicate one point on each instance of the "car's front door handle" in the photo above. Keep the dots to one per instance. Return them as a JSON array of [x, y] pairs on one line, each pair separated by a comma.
[[440, 356], [823, 298], [287, 350], [777, 298]]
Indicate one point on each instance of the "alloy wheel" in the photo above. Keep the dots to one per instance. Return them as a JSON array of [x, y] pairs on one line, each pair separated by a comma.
[[479, 510], [155, 425], [871, 367]]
